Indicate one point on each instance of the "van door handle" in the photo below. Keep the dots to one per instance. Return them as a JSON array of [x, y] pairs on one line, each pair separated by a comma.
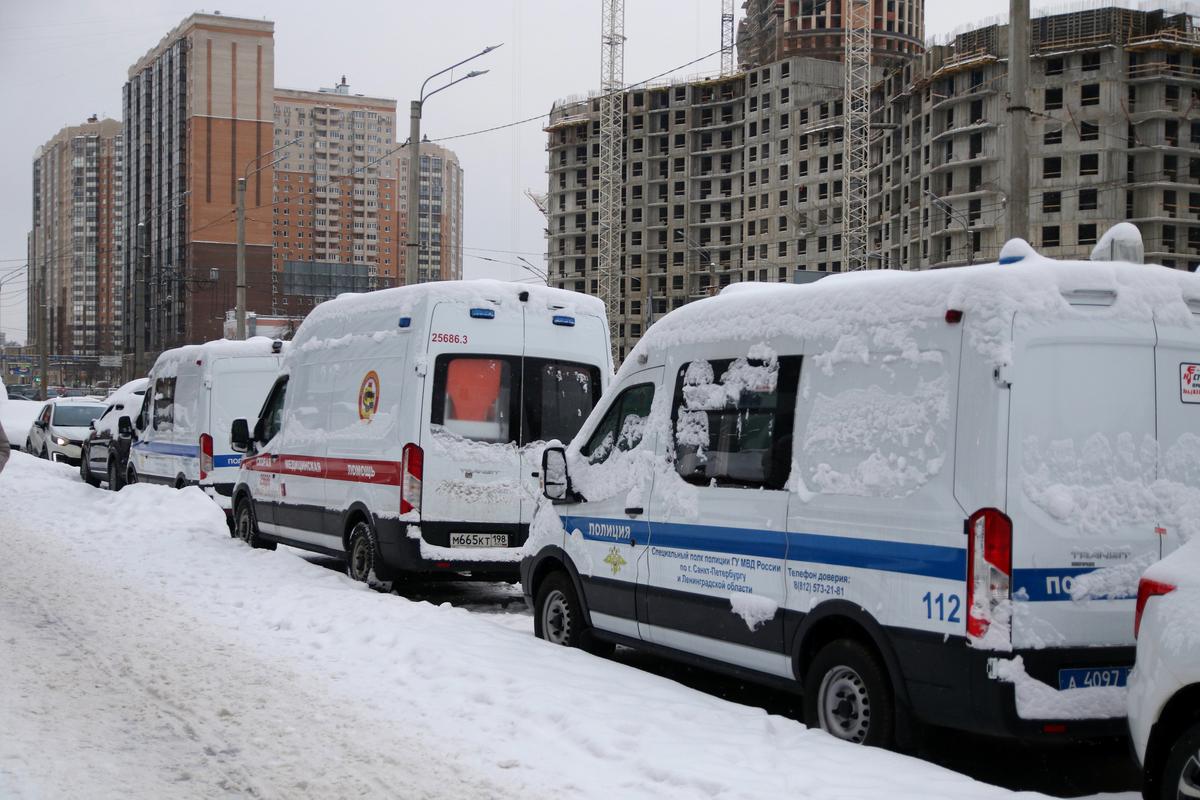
[[635, 511]]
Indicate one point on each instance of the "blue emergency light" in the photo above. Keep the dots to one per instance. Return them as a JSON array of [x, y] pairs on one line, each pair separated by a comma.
[[482, 313]]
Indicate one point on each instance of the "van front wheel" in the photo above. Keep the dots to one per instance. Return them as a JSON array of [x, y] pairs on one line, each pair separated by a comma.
[[847, 694], [558, 617], [247, 526]]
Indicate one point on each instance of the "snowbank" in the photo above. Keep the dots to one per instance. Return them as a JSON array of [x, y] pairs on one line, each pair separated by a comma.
[[155, 655], [1037, 700]]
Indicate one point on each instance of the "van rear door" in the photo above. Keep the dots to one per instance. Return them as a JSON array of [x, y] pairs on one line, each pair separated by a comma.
[[1081, 460], [1177, 358], [470, 494], [564, 372]]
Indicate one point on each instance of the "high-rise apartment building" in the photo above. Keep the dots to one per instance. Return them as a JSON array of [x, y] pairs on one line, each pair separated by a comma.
[[198, 111], [1114, 135], [76, 241], [336, 207], [741, 177], [441, 210]]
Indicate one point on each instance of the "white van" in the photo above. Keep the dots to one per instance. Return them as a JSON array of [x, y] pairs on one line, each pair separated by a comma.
[[909, 494], [194, 395], [406, 428]]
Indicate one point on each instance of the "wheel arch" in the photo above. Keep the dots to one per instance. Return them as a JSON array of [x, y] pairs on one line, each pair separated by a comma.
[[841, 619], [357, 512], [1182, 710], [553, 558]]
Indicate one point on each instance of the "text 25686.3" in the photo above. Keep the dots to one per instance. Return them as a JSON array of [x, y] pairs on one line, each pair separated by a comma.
[[450, 338]]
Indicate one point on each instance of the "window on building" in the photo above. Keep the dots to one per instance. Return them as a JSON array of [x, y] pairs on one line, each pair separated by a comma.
[[1088, 200], [1050, 236], [1054, 66], [1089, 164], [1090, 62], [1052, 167], [1087, 233], [1088, 131], [1054, 99], [1089, 94]]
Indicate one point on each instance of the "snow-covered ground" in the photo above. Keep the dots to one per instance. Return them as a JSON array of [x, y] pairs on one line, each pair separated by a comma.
[[16, 417], [147, 654]]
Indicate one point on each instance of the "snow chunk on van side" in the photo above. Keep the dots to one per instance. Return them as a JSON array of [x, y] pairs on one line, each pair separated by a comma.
[[755, 610]]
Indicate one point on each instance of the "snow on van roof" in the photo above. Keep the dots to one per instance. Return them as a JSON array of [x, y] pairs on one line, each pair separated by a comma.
[[884, 305], [503, 293], [169, 360]]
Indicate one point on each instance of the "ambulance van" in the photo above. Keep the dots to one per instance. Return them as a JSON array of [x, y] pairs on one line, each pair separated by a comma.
[[181, 435], [405, 431], [912, 496]]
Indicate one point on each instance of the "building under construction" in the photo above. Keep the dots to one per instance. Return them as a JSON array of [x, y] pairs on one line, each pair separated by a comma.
[[772, 30], [741, 177]]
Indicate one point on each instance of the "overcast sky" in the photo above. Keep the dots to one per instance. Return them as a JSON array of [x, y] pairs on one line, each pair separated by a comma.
[[64, 60]]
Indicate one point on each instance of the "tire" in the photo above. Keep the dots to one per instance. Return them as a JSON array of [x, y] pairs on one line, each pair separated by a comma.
[[115, 482], [45, 453], [28, 446], [363, 561], [131, 476], [85, 470], [559, 619], [848, 695], [246, 526], [1181, 775]]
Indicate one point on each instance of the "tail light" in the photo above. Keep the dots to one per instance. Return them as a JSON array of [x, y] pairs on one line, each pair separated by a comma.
[[206, 455], [989, 567], [411, 469], [1146, 589]]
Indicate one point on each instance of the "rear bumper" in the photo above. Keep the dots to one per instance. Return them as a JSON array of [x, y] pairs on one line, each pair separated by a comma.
[[948, 685], [402, 553]]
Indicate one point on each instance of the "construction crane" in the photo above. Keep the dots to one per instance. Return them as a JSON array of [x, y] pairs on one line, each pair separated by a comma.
[[856, 140], [539, 199], [727, 64], [612, 110]]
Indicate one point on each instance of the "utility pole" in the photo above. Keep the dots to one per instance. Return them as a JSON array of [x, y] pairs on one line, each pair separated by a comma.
[[139, 301], [241, 259], [43, 330], [1018, 116], [412, 249]]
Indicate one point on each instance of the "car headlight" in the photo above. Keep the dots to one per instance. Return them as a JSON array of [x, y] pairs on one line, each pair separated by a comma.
[[60, 441]]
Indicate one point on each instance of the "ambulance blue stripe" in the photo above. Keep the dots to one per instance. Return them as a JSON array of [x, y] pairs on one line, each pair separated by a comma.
[[934, 561]]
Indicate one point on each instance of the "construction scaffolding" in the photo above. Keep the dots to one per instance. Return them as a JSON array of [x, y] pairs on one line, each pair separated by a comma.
[[612, 111], [727, 63], [856, 142]]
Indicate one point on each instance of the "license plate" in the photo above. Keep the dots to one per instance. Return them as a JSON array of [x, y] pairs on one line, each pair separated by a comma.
[[1092, 677], [479, 540]]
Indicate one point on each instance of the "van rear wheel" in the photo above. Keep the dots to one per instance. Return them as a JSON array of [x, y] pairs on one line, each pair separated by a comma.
[[1181, 776], [247, 526], [363, 562], [847, 694], [115, 483]]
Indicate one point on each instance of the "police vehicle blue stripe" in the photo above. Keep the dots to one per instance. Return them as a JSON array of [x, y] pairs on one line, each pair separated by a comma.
[[934, 561], [230, 460], [1046, 585], [168, 449]]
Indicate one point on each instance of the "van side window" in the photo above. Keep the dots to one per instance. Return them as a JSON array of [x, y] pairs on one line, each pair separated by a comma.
[[473, 397], [272, 411], [621, 429], [733, 421], [559, 395], [164, 404]]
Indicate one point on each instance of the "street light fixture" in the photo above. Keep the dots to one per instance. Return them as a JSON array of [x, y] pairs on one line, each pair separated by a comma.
[[241, 230], [413, 246]]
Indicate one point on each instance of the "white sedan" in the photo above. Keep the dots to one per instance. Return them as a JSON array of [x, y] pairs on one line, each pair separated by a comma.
[[1164, 690]]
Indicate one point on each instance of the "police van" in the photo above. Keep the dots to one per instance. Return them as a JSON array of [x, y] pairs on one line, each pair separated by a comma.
[[914, 496], [181, 435], [406, 428]]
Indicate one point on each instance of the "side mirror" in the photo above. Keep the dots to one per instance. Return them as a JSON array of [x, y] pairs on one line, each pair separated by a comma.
[[556, 483], [239, 436], [125, 428], [92, 426], [41, 423]]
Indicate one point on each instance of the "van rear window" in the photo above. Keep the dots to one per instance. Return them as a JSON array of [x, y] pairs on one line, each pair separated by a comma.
[[501, 399]]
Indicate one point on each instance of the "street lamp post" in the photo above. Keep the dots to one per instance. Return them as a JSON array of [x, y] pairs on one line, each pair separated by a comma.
[[241, 231], [949, 209], [413, 246]]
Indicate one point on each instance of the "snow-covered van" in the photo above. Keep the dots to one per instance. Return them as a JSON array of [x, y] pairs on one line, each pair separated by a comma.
[[405, 429], [911, 495], [181, 435]]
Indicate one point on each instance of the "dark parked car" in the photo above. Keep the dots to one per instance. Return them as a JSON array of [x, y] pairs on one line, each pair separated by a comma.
[[105, 452]]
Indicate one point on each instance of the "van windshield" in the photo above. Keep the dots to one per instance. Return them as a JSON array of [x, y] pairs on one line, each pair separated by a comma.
[[76, 415]]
